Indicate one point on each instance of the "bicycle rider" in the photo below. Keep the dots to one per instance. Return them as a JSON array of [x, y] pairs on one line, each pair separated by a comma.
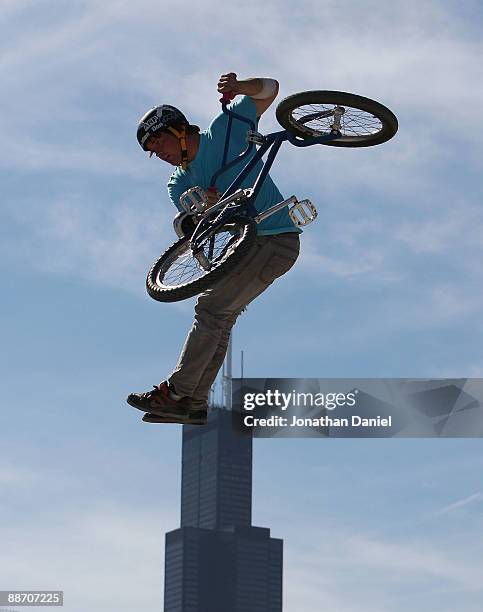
[[166, 133]]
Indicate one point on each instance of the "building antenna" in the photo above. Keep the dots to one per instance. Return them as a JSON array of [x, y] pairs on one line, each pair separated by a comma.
[[227, 374]]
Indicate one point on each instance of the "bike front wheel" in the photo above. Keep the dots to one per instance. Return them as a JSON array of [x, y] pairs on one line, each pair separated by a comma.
[[179, 274], [362, 122]]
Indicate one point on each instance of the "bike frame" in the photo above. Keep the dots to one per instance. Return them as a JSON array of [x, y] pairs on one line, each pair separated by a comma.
[[228, 207]]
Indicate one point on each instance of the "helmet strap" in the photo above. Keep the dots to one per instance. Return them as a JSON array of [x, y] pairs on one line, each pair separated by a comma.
[[181, 136]]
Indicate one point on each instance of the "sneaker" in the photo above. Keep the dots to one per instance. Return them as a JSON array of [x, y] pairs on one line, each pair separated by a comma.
[[194, 417], [198, 414], [160, 402]]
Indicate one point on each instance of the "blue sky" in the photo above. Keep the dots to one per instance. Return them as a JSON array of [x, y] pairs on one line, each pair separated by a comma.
[[388, 285]]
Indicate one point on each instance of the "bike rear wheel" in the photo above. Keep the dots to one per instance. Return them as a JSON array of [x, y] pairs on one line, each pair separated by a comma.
[[363, 122], [178, 274]]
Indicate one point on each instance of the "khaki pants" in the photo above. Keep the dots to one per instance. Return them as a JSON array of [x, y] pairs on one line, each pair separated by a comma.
[[217, 309]]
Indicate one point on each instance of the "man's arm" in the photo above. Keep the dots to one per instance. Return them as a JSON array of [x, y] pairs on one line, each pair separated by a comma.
[[262, 91]]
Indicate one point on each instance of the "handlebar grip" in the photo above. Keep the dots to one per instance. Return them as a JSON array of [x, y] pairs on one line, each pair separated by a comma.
[[227, 97]]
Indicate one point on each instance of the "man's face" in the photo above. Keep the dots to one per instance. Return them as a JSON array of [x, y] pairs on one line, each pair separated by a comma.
[[166, 147]]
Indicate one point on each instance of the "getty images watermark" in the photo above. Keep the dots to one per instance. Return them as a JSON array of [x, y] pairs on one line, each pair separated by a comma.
[[329, 401], [399, 407]]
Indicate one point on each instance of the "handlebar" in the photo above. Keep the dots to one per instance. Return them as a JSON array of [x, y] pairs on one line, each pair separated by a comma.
[[227, 97]]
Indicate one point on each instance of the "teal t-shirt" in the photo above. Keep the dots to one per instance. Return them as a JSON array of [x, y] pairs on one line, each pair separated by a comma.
[[208, 160]]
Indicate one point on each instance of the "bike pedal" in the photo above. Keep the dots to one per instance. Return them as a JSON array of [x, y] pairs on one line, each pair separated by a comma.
[[302, 213], [194, 199]]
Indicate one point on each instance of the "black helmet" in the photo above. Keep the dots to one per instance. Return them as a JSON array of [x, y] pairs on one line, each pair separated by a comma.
[[158, 118]]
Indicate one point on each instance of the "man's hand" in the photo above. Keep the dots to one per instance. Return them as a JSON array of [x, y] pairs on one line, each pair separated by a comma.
[[228, 83]]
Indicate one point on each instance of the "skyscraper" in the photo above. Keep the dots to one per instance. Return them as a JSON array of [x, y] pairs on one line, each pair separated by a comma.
[[217, 561]]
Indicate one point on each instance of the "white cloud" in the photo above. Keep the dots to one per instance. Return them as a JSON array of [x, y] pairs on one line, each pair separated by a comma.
[[104, 557], [14, 476], [114, 245], [75, 526], [453, 229], [476, 497], [378, 51], [359, 573]]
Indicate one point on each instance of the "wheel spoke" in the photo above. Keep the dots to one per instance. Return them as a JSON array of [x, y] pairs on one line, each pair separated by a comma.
[[183, 268], [355, 123]]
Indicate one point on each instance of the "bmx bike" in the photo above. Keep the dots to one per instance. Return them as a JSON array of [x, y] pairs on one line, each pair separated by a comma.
[[213, 240]]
